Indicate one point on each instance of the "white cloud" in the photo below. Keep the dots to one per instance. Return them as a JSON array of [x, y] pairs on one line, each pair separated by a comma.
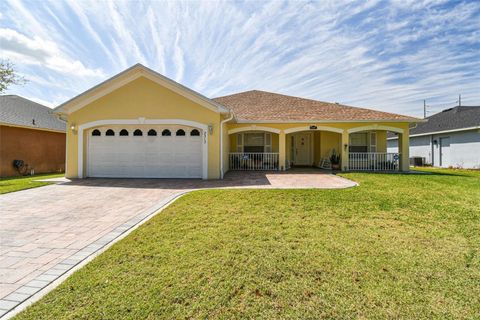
[[24, 50], [42, 102], [384, 55]]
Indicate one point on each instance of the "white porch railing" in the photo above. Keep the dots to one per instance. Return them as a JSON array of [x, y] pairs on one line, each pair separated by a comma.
[[253, 161], [374, 161]]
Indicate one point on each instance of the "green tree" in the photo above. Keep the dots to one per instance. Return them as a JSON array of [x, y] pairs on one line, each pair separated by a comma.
[[8, 75]]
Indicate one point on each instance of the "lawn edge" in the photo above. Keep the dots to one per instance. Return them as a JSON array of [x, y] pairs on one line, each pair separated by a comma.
[[47, 183], [152, 211]]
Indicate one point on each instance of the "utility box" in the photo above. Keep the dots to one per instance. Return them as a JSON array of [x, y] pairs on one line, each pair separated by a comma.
[[417, 161]]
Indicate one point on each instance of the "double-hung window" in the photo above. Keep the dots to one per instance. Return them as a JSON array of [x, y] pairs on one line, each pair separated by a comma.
[[254, 142]]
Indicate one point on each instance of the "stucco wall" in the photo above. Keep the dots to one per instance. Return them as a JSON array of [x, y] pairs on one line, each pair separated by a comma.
[[328, 142], [43, 151], [143, 98], [328, 136], [146, 99]]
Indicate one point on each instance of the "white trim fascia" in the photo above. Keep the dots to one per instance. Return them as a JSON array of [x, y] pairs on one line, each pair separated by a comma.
[[375, 127], [130, 75], [254, 128], [331, 121], [438, 132], [140, 121], [307, 128]]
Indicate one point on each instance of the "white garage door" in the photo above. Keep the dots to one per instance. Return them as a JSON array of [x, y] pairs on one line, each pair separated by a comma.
[[145, 152]]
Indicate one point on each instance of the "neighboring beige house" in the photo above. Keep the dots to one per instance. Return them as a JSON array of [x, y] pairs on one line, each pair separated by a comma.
[[142, 124]]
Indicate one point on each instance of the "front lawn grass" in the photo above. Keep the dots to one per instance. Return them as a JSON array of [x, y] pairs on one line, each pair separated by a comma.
[[397, 246], [11, 184]]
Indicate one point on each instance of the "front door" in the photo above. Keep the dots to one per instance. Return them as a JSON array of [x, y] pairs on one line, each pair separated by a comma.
[[302, 149], [445, 152]]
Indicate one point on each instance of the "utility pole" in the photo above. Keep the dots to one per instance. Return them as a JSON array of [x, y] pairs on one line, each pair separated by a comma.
[[459, 100], [424, 109]]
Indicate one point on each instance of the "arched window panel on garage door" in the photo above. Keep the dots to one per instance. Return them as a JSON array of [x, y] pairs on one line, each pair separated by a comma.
[[138, 133], [180, 132], [195, 133], [124, 132], [147, 156], [166, 133], [152, 132], [110, 133], [96, 133]]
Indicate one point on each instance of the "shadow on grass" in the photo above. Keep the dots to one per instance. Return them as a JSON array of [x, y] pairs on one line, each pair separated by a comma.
[[414, 173]]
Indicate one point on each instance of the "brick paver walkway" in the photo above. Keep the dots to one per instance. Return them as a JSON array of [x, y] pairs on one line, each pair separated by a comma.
[[46, 231]]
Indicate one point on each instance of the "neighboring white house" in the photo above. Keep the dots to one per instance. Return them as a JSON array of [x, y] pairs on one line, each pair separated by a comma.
[[450, 138]]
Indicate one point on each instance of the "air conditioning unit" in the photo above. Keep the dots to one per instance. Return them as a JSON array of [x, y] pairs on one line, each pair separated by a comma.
[[417, 161]]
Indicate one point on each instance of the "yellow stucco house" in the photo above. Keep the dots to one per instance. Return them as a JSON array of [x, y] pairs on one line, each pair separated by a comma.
[[142, 124]]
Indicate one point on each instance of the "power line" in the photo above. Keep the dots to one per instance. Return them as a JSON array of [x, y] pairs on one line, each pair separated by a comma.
[[440, 105]]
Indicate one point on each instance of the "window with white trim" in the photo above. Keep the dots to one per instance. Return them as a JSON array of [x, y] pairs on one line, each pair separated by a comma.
[[240, 142], [254, 142], [268, 142], [358, 142], [373, 141]]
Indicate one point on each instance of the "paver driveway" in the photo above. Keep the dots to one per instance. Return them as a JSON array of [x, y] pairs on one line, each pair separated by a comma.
[[46, 231]]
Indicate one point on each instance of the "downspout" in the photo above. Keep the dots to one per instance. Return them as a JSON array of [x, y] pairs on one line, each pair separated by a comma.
[[432, 150], [221, 142]]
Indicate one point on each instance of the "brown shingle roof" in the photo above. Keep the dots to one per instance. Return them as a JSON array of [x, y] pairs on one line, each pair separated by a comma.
[[267, 106]]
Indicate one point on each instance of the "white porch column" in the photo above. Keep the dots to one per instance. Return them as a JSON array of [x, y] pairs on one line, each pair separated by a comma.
[[404, 150], [282, 156], [344, 151]]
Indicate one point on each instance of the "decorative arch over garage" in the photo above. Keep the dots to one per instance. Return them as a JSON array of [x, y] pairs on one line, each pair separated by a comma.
[[142, 121]]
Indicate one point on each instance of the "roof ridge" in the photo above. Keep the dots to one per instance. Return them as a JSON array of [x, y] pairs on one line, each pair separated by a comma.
[[20, 111], [336, 104], [29, 100]]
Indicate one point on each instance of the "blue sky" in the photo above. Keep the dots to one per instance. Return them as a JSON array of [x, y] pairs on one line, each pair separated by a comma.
[[385, 55]]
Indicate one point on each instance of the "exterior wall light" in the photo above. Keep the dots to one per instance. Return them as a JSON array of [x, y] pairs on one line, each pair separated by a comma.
[[345, 147], [210, 128], [72, 126]]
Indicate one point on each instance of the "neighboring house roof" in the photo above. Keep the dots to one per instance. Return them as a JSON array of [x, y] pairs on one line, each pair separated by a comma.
[[18, 111], [262, 106], [458, 118], [129, 75]]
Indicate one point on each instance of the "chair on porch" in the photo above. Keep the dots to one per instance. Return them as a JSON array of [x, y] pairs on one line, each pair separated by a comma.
[[325, 162]]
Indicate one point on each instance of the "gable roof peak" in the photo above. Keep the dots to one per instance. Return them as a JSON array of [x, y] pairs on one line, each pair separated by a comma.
[[131, 74]]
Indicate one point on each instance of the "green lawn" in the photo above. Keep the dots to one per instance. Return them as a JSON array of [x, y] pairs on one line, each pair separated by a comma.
[[397, 246], [12, 184]]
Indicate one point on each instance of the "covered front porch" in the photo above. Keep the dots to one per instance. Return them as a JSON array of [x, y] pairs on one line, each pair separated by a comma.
[[354, 148]]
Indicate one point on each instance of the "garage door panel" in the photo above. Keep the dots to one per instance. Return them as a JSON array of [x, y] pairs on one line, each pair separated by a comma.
[[145, 156]]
